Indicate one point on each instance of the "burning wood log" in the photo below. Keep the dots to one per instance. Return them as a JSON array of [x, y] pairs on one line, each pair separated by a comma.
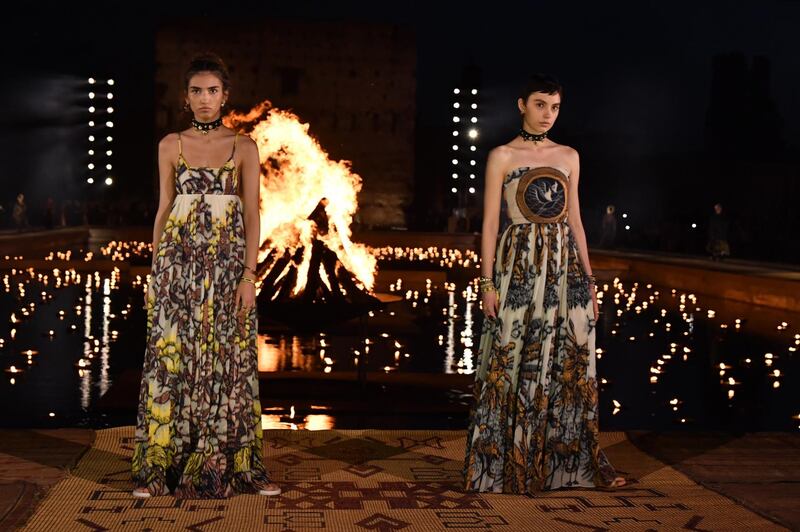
[[309, 271], [329, 292]]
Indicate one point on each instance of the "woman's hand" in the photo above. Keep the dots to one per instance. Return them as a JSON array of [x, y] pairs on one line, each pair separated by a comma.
[[245, 297], [245, 300], [490, 303]]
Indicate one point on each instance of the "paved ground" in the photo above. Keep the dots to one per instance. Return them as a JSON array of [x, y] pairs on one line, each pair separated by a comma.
[[760, 471], [31, 462]]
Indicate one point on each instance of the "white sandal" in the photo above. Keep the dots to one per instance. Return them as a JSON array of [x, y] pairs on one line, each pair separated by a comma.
[[269, 492], [141, 493]]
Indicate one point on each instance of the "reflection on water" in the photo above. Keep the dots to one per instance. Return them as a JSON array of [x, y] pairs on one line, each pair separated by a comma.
[[466, 335], [84, 372], [666, 359], [450, 349], [465, 363], [308, 422], [46, 310], [287, 353]]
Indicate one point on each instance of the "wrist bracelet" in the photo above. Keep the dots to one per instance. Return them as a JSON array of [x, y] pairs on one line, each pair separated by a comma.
[[248, 280], [486, 284]]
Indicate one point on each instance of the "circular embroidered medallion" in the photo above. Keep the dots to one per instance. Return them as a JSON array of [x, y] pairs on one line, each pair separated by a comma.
[[542, 195]]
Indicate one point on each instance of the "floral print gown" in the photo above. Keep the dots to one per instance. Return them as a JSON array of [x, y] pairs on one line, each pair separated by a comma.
[[198, 432], [534, 423]]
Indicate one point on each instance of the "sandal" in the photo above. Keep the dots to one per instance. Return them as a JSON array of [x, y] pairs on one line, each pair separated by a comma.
[[141, 493], [270, 490], [618, 482]]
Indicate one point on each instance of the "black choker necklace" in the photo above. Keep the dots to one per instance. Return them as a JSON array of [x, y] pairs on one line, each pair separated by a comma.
[[532, 136], [205, 127]]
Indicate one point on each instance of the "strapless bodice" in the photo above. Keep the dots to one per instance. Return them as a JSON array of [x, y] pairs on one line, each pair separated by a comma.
[[536, 195]]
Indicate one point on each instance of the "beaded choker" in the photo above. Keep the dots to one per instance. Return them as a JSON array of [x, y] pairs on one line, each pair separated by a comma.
[[205, 127], [532, 136]]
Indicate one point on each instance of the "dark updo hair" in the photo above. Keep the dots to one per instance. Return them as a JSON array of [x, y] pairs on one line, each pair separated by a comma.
[[208, 62], [542, 83]]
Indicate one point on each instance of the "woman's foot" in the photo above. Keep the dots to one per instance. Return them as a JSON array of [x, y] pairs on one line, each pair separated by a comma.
[[141, 493], [618, 482], [270, 490]]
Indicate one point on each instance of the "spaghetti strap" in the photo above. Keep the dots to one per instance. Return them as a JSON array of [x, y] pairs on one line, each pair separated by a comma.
[[180, 147], [233, 151]]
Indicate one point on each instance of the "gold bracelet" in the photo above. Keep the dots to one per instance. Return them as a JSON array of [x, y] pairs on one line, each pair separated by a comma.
[[486, 284], [248, 280]]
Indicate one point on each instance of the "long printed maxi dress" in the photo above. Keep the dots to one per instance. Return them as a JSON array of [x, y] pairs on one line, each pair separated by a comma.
[[534, 421], [198, 433]]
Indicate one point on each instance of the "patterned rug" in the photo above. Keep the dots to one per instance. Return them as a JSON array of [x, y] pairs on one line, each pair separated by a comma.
[[380, 480]]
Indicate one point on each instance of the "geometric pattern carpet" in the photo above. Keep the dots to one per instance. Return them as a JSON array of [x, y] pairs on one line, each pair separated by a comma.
[[384, 481]]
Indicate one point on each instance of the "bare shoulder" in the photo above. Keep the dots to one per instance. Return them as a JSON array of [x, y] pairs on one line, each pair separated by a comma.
[[501, 153], [246, 140], [168, 148], [170, 139], [169, 142], [569, 155], [568, 152], [247, 145]]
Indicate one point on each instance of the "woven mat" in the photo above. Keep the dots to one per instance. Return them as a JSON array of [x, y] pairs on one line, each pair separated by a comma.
[[382, 480]]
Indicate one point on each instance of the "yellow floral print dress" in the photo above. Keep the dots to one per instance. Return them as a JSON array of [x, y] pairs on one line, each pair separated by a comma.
[[198, 432]]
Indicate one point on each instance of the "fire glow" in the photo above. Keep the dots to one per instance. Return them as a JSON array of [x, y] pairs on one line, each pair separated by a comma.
[[296, 175]]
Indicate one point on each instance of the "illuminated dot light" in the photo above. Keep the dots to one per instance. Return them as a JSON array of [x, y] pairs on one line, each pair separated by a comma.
[[121, 251]]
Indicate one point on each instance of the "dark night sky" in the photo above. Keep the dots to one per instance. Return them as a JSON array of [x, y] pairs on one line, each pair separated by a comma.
[[637, 74], [637, 70]]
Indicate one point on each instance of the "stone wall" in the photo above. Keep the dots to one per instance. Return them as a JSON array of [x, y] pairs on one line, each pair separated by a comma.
[[355, 84]]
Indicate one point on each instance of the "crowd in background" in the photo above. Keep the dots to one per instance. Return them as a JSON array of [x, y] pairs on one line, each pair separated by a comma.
[[711, 238], [19, 215]]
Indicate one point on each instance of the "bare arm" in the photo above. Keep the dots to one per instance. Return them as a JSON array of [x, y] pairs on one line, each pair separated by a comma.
[[251, 188], [574, 213], [492, 196], [167, 155]]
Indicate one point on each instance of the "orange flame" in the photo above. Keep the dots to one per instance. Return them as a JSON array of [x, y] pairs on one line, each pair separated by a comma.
[[296, 174]]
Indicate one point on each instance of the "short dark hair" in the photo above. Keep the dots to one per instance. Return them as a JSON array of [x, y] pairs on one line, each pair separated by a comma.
[[207, 62], [542, 83]]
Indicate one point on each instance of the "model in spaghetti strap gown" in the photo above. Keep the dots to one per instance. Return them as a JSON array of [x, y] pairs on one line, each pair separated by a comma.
[[198, 433]]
